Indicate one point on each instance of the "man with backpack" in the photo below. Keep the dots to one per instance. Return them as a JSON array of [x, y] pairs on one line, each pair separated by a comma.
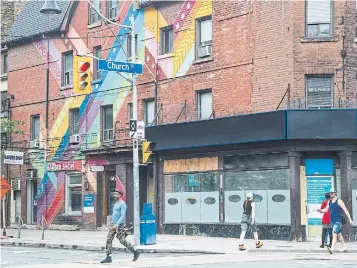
[[336, 207]]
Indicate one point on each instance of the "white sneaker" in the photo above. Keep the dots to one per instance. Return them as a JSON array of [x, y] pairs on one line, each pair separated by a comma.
[[329, 250]]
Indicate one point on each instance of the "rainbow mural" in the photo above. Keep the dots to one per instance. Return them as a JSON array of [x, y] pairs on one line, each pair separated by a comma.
[[112, 88]]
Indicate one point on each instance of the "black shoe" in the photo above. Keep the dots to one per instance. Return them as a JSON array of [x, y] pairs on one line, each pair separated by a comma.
[[136, 255], [322, 246], [107, 259]]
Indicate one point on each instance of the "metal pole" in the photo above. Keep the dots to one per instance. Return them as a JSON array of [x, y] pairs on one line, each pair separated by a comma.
[[3, 217], [135, 144]]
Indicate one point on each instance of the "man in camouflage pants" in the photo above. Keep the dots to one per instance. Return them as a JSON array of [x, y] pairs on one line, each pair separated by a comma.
[[117, 228]]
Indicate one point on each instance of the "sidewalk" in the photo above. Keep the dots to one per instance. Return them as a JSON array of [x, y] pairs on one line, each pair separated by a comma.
[[95, 241]]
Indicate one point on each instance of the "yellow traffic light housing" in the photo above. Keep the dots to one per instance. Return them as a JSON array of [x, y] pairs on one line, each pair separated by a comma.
[[82, 80], [147, 152]]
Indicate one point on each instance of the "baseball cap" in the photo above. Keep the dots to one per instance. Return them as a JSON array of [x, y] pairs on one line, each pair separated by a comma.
[[333, 191], [249, 195]]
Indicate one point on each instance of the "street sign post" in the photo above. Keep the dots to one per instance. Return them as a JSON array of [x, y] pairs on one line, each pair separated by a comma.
[[4, 187], [122, 67]]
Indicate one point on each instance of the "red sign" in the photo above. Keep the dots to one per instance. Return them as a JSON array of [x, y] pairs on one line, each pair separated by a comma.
[[4, 187], [57, 166]]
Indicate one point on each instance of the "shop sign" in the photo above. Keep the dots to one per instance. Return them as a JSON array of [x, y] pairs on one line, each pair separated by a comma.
[[13, 158], [60, 166]]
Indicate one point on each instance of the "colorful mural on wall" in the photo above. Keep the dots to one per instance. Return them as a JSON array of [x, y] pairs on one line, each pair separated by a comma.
[[111, 89]]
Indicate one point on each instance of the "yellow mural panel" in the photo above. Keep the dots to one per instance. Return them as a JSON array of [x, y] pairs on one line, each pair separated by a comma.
[[191, 165], [153, 22]]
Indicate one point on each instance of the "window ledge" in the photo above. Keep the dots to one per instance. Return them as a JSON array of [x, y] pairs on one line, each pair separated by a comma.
[[165, 56], [203, 60], [73, 213], [4, 76], [355, 40], [94, 25], [317, 40], [66, 87]]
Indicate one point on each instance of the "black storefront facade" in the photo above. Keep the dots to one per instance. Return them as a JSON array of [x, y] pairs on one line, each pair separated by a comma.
[[203, 169]]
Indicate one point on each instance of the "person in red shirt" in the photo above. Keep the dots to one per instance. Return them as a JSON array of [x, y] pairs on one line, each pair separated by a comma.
[[326, 222]]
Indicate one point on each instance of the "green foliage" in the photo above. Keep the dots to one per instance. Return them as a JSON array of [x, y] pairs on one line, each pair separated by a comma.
[[12, 126]]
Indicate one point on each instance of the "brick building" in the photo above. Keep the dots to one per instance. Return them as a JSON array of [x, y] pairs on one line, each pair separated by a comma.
[[215, 72]]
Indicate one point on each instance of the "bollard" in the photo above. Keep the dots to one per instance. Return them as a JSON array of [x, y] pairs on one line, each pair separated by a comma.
[[20, 224], [43, 220]]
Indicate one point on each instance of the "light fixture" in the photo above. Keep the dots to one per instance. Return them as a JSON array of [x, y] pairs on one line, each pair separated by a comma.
[[50, 7]]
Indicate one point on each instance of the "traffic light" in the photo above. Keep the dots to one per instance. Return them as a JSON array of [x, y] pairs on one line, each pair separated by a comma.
[[82, 81], [147, 152]]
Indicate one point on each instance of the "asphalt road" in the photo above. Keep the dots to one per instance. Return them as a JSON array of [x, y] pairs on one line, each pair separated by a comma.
[[47, 258]]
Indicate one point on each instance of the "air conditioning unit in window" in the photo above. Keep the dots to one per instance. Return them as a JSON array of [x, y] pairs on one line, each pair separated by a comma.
[[32, 174], [204, 51], [108, 135], [16, 185], [35, 143], [74, 139]]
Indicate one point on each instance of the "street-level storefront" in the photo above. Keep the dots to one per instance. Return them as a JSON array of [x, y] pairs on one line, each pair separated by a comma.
[[203, 174]]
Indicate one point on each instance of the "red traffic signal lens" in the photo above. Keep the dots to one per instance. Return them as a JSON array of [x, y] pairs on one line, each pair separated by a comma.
[[85, 66]]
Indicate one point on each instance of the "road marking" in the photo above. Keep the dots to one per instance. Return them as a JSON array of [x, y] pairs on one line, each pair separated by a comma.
[[21, 251]]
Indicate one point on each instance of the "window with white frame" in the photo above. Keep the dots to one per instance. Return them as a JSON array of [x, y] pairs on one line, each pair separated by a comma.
[[128, 43], [107, 123], [97, 52], [35, 127], [319, 14], [166, 42], [319, 92], [204, 104], [149, 111], [74, 121], [93, 15], [67, 73], [74, 193], [112, 8], [204, 37]]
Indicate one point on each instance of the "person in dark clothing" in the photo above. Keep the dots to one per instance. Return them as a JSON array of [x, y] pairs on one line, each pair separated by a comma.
[[248, 220], [336, 207], [326, 222]]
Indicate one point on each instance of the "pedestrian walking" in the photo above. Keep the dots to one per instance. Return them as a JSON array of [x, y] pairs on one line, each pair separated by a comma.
[[326, 222], [117, 228], [336, 207], [248, 220]]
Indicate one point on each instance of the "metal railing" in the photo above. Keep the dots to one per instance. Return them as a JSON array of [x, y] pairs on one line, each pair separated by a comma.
[[20, 223], [43, 221]]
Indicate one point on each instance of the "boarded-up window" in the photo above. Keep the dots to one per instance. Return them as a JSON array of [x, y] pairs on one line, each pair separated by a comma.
[[319, 92], [319, 18]]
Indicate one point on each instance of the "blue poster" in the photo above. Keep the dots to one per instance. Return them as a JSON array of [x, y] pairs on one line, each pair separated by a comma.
[[88, 203], [316, 189]]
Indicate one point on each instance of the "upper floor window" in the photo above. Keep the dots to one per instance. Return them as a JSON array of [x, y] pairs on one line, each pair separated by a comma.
[[74, 121], [319, 91], [97, 52], [107, 123], [35, 127], [67, 69], [129, 46], [149, 111], [93, 15], [112, 9], [204, 104], [319, 14], [204, 37], [166, 43], [4, 65]]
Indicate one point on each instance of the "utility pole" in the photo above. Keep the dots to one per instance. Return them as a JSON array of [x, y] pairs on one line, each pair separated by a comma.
[[135, 143]]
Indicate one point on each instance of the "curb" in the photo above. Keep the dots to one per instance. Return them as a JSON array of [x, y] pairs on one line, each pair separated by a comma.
[[298, 251], [98, 248]]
